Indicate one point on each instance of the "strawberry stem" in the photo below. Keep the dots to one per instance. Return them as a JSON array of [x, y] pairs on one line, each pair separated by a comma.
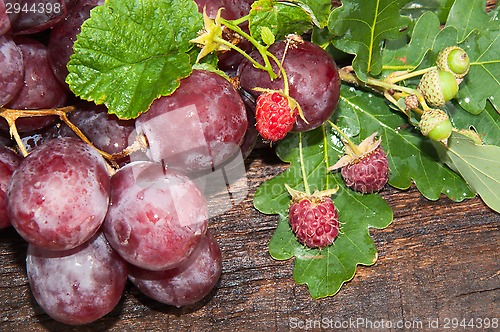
[[302, 167], [345, 138]]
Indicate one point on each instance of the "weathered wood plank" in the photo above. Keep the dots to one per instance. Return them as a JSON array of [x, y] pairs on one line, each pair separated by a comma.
[[436, 260]]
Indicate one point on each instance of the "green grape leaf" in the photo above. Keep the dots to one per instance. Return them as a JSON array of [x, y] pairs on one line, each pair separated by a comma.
[[281, 18], [324, 271], [128, 53], [415, 9], [361, 27], [478, 165], [467, 16]]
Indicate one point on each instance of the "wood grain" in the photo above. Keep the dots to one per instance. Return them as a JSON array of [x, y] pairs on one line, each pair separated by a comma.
[[436, 260]]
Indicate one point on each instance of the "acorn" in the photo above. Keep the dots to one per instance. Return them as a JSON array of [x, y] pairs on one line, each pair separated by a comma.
[[438, 87], [453, 60], [435, 124]]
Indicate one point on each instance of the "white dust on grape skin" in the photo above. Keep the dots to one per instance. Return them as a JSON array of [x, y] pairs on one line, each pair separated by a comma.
[[59, 195], [11, 75], [206, 112], [156, 217], [77, 286]]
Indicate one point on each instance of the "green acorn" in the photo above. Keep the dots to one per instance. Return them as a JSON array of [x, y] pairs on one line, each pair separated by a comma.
[[454, 60], [438, 87], [436, 125]]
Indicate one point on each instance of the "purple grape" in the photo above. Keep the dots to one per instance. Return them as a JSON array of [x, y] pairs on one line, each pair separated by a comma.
[[4, 19], [63, 36], [39, 15], [41, 88], [313, 79], [106, 131], [9, 161], [80, 285], [198, 127], [12, 73], [58, 196], [157, 216], [252, 135], [186, 284], [34, 140]]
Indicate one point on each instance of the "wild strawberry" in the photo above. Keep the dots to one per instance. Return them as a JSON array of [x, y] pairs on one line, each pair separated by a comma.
[[313, 218], [364, 168], [275, 115]]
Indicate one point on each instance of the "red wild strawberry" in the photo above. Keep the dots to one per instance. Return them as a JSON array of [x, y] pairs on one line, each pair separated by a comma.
[[313, 218], [274, 115], [364, 168]]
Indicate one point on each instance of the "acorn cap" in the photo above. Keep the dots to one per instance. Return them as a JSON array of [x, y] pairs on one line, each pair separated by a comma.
[[437, 87]]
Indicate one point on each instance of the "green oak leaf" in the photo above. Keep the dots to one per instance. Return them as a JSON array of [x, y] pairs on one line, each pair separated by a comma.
[[362, 27], [417, 8], [483, 80], [486, 124], [478, 164], [281, 18], [409, 57], [131, 52], [467, 16], [324, 271], [412, 157]]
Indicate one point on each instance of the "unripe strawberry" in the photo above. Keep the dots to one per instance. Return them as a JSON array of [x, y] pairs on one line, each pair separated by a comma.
[[454, 60], [438, 87], [436, 125]]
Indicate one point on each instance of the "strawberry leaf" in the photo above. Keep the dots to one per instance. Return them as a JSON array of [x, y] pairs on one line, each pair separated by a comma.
[[128, 53], [361, 27], [323, 271]]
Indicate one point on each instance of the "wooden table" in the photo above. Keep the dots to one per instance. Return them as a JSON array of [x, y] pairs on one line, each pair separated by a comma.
[[438, 261]]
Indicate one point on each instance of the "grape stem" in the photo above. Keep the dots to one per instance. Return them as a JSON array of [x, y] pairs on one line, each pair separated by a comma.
[[11, 115]]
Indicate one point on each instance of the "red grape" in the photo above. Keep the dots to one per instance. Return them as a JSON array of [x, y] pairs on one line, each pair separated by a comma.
[[198, 127], [156, 217], [9, 161], [59, 195], [41, 88], [12, 73], [80, 285], [186, 284]]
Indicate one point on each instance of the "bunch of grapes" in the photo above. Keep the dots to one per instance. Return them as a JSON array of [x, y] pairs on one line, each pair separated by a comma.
[[101, 200]]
